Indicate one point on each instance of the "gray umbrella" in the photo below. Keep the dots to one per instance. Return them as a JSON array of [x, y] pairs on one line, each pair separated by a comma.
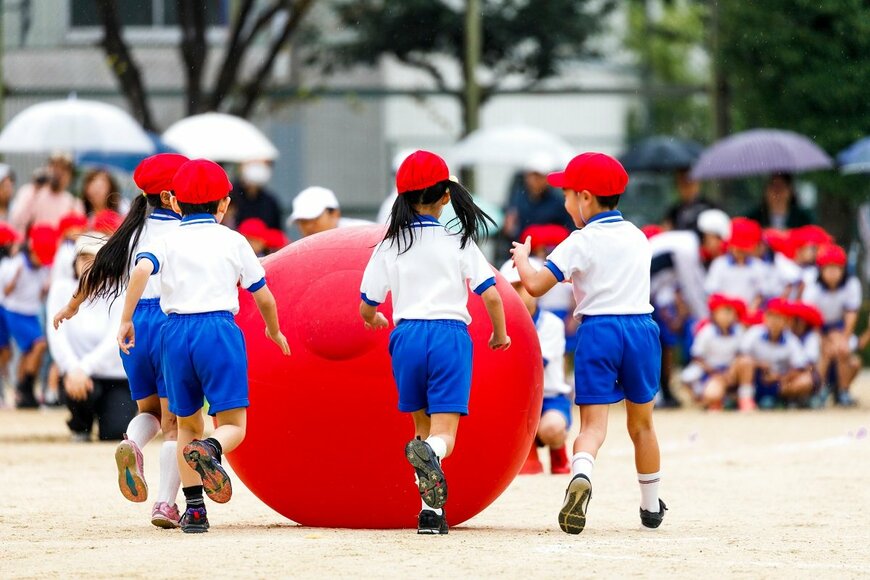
[[760, 152], [661, 153]]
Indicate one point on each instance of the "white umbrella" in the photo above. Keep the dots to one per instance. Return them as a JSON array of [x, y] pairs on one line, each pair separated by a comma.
[[220, 137], [512, 145], [74, 125]]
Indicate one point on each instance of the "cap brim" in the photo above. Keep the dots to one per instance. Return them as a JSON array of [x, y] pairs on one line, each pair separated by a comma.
[[557, 179]]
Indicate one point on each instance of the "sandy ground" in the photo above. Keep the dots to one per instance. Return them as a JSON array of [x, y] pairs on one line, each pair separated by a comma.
[[779, 494]]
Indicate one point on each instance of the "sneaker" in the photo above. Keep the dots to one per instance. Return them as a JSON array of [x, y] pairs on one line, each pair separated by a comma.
[[201, 456], [80, 437], [653, 520], [194, 521], [25, 401], [164, 515], [532, 465], [430, 523], [559, 461], [667, 403], [767, 403], [431, 481], [572, 516], [131, 476], [844, 399], [746, 404]]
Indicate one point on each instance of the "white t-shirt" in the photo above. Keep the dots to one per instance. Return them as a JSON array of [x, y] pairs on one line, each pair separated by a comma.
[[715, 349], [551, 335], [812, 345], [745, 281], [159, 223], [780, 274], [781, 356], [430, 280], [88, 340], [26, 297], [834, 304], [201, 265], [676, 263], [64, 262], [608, 263]]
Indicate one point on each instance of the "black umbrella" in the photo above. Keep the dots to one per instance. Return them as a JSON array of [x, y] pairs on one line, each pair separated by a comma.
[[661, 153]]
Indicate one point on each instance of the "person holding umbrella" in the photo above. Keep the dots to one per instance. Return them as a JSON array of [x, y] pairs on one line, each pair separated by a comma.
[[49, 202], [780, 209], [683, 215]]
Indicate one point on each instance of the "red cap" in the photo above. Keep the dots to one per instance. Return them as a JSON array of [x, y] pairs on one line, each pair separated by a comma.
[[419, 170], [720, 301], [752, 318], [810, 235], [43, 242], [779, 306], [8, 235], [106, 221], [651, 230], [831, 255], [275, 239], [745, 234], [254, 228], [779, 241], [597, 173], [70, 221], [545, 235], [154, 174], [808, 313], [201, 181]]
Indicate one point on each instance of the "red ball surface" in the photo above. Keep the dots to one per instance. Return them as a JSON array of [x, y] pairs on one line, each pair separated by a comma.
[[325, 441]]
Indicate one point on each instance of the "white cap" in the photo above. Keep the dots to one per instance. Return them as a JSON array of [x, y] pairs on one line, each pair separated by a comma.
[[89, 244], [541, 162], [716, 222], [5, 171], [313, 201], [512, 275]]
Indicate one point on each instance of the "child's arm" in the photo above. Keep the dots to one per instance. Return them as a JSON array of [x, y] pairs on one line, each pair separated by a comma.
[[138, 281], [13, 282], [69, 310], [269, 311], [499, 339], [537, 283], [373, 319]]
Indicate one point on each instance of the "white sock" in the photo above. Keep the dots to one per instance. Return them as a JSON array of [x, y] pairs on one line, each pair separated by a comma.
[[439, 511], [649, 491], [582, 463], [169, 478], [143, 428], [746, 392], [438, 445]]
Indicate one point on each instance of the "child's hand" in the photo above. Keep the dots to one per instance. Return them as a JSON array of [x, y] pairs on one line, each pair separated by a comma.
[[126, 336], [522, 251], [78, 385], [64, 313], [502, 342], [378, 322], [279, 339]]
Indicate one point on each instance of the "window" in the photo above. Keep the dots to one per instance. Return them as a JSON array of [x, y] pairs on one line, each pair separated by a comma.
[[146, 13]]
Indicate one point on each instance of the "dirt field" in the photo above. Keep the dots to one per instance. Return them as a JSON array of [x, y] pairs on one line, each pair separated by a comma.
[[780, 494]]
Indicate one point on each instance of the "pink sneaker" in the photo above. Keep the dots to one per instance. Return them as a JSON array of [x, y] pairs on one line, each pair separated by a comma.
[[164, 515], [131, 476]]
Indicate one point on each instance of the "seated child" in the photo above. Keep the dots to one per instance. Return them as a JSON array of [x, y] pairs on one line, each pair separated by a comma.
[[805, 324], [739, 273], [556, 411]]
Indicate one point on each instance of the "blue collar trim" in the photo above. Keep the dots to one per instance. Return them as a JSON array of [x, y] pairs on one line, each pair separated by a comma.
[[425, 221], [537, 315], [781, 340], [427, 218], [198, 218], [162, 214], [606, 217]]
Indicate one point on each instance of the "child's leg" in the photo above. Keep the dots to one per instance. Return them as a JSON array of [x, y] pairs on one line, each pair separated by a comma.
[[442, 433], [796, 385], [825, 360], [593, 430], [647, 458], [169, 478], [231, 428], [553, 429], [189, 428], [714, 391], [745, 367], [422, 424]]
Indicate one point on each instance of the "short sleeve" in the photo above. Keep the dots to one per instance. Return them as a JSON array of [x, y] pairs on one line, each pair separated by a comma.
[[568, 257], [252, 276], [747, 342], [552, 339], [7, 269], [852, 302], [713, 283], [699, 345], [476, 269], [154, 252], [797, 356], [376, 282]]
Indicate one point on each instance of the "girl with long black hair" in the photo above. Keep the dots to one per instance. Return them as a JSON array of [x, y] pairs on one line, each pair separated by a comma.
[[150, 217], [428, 269]]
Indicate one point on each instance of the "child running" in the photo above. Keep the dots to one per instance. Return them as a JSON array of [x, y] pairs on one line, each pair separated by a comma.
[[203, 351], [618, 353], [427, 269], [150, 218]]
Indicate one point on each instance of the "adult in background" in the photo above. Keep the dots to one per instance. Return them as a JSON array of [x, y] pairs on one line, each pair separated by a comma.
[[316, 209], [100, 192], [7, 190], [683, 215], [533, 201], [779, 209], [250, 197], [48, 201]]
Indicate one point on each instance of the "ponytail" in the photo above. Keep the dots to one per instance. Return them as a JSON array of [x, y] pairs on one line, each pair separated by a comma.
[[107, 277], [472, 220]]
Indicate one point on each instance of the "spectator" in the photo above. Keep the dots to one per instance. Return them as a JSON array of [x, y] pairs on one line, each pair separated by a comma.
[[100, 192], [86, 351], [46, 201], [683, 215], [251, 198], [316, 209], [779, 209], [7, 190], [533, 201]]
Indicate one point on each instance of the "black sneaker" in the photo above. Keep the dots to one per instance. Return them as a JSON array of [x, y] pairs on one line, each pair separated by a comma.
[[572, 516], [201, 456], [194, 521], [431, 481], [430, 523], [653, 519]]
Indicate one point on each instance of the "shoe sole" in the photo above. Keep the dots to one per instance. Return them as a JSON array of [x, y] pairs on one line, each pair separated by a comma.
[[194, 529], [164, 522], [432, 484], [572, 516], [130, 481], [431, 533], [215, 482]]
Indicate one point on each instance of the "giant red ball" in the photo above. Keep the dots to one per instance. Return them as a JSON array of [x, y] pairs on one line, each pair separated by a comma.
[[325, 441]]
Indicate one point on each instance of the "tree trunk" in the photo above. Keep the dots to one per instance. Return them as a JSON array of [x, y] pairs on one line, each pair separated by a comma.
[[191, 18]]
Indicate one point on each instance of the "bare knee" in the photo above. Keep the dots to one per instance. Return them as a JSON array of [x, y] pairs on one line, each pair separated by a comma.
[[169, 426], [552, 431]]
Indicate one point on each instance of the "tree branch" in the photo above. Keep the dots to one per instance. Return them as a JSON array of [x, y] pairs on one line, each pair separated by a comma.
[[429, 68], [191, 17], [122, 65]]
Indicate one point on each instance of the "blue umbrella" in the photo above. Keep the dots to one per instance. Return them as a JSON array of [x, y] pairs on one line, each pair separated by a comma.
[[662, 153], [125, 162], [856, 157]]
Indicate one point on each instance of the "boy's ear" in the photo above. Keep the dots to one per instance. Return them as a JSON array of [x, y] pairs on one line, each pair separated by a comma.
[[165, 197], [173, 203]]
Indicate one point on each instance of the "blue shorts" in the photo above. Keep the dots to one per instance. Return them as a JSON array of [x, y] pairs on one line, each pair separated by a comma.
[[4, 329], [25, 329], [204, 356], [432, 365], [560, 403], [618, 357], [764, 389], [143, 367]]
